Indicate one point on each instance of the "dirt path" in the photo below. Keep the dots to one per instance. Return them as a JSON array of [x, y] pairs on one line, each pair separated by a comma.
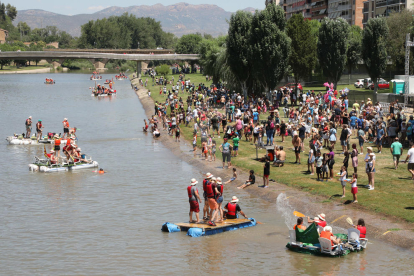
[[336, 213]]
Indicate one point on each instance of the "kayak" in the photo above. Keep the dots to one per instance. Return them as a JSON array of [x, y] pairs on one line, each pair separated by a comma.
[[308, 242], [19, 140], [50, 82], [43, 165]]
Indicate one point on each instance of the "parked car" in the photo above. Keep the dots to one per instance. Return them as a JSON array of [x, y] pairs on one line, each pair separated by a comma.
[[382, 84], [292, 86], [367, 82], [359, 83]]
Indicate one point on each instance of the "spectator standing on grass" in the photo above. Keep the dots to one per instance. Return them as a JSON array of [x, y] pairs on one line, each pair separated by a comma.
[[380, 136], [410, 158], [370, 167], [331, 162], [361, 138], [311, 158], [396, 151], [354, 157]]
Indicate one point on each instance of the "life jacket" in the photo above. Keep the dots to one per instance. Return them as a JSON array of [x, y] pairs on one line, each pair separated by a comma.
[[299, 226], [209, 190], [322, 223], [204, 184], [66, 124], [190, 195], [57, 142], [362, 231], [231, 207], [327, 235], [220, 188], [39, 125]]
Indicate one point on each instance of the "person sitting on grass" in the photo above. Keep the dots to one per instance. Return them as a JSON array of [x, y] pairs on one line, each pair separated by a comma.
[[280, 158], [233, 178], [250, 181]]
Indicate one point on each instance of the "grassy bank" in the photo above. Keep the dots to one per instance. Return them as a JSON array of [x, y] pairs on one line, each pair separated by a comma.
[[393, 188]]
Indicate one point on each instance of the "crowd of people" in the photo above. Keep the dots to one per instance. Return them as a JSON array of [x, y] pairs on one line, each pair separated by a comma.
[[315, 121]]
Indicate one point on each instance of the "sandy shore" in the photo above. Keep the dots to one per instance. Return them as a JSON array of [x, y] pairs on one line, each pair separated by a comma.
[[336, 213], [34, 71]]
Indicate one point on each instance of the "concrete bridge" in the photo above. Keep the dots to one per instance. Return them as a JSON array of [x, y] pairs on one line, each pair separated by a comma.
[[57, 57]]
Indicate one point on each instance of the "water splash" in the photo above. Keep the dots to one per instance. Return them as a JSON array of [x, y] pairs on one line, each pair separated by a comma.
[[283, 207]]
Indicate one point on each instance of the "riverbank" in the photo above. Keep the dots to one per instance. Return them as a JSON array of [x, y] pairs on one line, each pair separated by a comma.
[[29, 71], [388, 229]]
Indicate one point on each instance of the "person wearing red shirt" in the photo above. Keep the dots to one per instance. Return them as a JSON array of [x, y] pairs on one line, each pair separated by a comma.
[[361, 227]]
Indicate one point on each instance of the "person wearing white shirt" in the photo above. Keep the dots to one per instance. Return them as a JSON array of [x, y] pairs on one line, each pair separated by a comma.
[[370, 167], [410, 158]]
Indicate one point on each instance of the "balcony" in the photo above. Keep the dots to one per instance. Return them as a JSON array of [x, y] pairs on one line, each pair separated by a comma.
[[365, 10]]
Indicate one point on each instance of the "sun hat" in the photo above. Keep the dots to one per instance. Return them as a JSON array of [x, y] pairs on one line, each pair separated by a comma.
[[369, 99], [78, 149], [213, 179], [322, 216], [193, 182], [316, 219], [369, 148], [209, 175], [52, 150], [56, 136], [327, 229], [234, 199], [30, 117], [65, 119], [219, 180]]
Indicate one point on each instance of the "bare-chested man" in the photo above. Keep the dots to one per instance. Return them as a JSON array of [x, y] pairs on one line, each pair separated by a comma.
[[280, 157], [296, 142]]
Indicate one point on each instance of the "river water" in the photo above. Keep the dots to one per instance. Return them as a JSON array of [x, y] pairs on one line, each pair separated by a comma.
[[83, 223]]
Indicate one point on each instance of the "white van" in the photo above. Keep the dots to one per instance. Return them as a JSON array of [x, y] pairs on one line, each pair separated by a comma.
[[367, 82]]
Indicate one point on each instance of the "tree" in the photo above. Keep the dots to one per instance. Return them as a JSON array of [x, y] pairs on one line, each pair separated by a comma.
[[11, 11], [4, 62], [374, 48], [400, 23], [210, 52], [163, 70], [271, 46], [303, 58], [238, 49], [353, 54], [23, 28], [188, 44], [332, 48]]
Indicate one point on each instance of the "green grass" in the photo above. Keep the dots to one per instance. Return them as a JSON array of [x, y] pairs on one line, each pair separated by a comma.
[[394, 229], [393, 188]]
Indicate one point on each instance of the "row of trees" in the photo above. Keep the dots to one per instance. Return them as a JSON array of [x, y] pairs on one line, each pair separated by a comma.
[[262, 48], [125, 32]]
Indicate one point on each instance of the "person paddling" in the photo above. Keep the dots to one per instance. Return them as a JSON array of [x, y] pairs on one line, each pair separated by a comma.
[[57, 142], [194, 198]]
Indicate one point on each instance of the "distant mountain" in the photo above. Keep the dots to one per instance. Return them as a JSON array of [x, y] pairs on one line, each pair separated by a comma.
[[179, 19]]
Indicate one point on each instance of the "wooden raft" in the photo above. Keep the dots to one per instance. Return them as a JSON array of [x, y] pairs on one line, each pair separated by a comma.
[[204, 224]]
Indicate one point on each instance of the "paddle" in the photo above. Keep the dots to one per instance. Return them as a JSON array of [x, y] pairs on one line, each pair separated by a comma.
[[349, 220], [297, 214]]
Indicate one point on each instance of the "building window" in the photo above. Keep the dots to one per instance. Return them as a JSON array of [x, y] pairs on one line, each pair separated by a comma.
[[353, 12]]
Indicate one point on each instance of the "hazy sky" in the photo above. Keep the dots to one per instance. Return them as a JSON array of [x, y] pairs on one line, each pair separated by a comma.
[[87, 6]]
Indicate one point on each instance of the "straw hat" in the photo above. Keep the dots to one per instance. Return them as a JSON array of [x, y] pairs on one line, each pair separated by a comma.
[[78, 149], [316, 219], [213, 179], [30, 117], [327, 229], [193, 182], [369, 148], [234, 199], [322, 216], [56, 136], [208, 175], [219, 180]]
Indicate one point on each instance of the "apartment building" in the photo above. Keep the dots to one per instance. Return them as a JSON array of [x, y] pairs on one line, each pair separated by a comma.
[[376, 8], [350, 10]]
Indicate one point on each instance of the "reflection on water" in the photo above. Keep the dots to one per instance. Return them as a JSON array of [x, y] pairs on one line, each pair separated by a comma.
[[84, 223]]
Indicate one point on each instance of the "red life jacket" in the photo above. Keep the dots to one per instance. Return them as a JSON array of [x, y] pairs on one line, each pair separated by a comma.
[[57, 142], [209, 190], [362, 231], [189, 192], [39, 125], [204, 184], [231, 207], [220, 188], [322, 223]]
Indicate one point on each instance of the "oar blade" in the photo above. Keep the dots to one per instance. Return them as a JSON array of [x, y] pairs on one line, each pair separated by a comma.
[[297, 214], [349, 220]]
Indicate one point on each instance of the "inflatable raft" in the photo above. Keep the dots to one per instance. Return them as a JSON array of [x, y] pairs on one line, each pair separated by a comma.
[[19, 140], [110, 92], [203, 229], [308, 242], [43, 165]]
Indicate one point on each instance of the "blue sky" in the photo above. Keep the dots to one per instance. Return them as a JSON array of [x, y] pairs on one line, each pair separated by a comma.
[[85, 6]]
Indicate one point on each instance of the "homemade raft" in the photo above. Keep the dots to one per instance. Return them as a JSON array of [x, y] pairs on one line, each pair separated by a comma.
[[203, 229]]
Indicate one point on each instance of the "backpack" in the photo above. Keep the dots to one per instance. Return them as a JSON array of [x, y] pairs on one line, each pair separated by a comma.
[[272, 125]]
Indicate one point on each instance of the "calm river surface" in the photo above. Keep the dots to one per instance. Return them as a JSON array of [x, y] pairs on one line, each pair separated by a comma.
[[83, 223]]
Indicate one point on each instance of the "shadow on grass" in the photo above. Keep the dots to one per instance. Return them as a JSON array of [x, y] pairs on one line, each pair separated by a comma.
[[348, 202], [409, 208], [361, 186], [408, 178], [337, 195]]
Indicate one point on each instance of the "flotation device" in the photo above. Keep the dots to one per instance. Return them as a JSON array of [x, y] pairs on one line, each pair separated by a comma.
[[209, 190], [231, 207], [299, 226], [205, 181], [57, 142], [327, 235], [362, 231], [66, 124], [220, 188]]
